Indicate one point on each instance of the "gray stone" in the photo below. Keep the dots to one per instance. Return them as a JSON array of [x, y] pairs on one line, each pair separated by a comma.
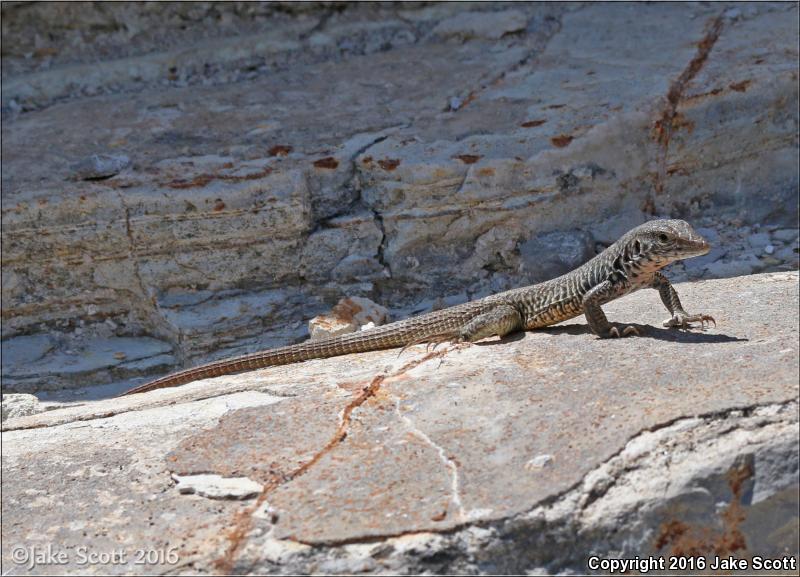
[[71, 364], [786, 234], [553, 254], [701, 262], [23, 350], [217, 487], [377, 463], [98, 166], [491, 25], [741, 266], [758, 240], [19, 405], [789, 254], [539, 462], [710, 234], [348, 316]]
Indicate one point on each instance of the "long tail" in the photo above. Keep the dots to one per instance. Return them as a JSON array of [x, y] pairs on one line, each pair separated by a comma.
[[398, 334]]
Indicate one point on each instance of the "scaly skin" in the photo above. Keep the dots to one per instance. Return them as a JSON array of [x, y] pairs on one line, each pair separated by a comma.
[[631, 263]]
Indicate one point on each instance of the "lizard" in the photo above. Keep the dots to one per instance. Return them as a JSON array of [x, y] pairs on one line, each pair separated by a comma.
[[631, 263]]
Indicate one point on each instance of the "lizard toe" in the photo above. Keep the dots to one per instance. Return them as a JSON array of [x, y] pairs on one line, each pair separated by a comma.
[[630, 330]]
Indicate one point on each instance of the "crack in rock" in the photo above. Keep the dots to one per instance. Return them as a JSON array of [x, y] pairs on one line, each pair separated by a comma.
[[550, 536], [448, 462], [243, 519]]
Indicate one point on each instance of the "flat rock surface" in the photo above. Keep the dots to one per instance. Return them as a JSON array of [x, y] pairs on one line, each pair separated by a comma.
[[371, 447]]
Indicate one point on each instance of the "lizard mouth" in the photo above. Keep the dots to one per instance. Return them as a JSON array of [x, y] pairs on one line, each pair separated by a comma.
[[697, 246]]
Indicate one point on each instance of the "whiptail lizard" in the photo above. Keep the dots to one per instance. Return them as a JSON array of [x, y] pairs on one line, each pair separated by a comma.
[[631, 263]]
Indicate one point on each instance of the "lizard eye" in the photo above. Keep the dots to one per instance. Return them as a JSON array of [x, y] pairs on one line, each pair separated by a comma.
[[663, 237]]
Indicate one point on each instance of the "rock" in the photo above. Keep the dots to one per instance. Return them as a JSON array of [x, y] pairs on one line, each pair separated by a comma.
[[378, 462], [80, 362], [553, 254], [348, 316], [742, 266], [769, 249], [710, 234], [217, 487], [23, 350], [99, 166], [701, 262], [758, 240], [492, 25], [786, 234], [19, 405], [539, 462], [790, 254]]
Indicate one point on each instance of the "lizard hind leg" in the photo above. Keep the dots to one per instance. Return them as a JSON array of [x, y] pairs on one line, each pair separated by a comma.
[[500, 320]]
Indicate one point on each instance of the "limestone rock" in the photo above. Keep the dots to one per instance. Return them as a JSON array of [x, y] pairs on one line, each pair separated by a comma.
[[19, 405], [523, 455], [217, 487], [349, 315], [99, 166], [492, 25]]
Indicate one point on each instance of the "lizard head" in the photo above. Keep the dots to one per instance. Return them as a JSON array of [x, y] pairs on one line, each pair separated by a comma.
[[666, 241]]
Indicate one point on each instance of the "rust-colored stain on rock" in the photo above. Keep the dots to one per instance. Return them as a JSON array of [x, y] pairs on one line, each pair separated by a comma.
[[486, 171], [280, 150], [204, 179], [389, 163], [562, 140], [218, 205], [328, 162], [684, 539], [199, 180], [367, 160], [533, 123], [740, 86], [680, 121], [468, 158]]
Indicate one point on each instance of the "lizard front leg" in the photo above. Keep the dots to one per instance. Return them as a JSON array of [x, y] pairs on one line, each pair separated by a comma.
[[596, 317], [680, 318]]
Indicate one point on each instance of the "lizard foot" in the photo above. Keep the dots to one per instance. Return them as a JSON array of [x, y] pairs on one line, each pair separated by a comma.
[[683, 320], [431, 342], [628, 330]]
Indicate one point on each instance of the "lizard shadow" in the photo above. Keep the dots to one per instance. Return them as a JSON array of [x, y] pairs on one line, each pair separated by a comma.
[[649, 331]]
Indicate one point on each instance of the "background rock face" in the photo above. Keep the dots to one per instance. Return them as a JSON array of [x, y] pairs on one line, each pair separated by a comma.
[[213, 175]]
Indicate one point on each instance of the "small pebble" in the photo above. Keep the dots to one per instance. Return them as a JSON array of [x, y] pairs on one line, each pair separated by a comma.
[[785, 234], [99, 166], [758, 239], [539, 462], [769, 249]]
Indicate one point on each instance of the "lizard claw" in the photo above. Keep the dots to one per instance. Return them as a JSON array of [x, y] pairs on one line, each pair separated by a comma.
[[628, 330], [682, 320]]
